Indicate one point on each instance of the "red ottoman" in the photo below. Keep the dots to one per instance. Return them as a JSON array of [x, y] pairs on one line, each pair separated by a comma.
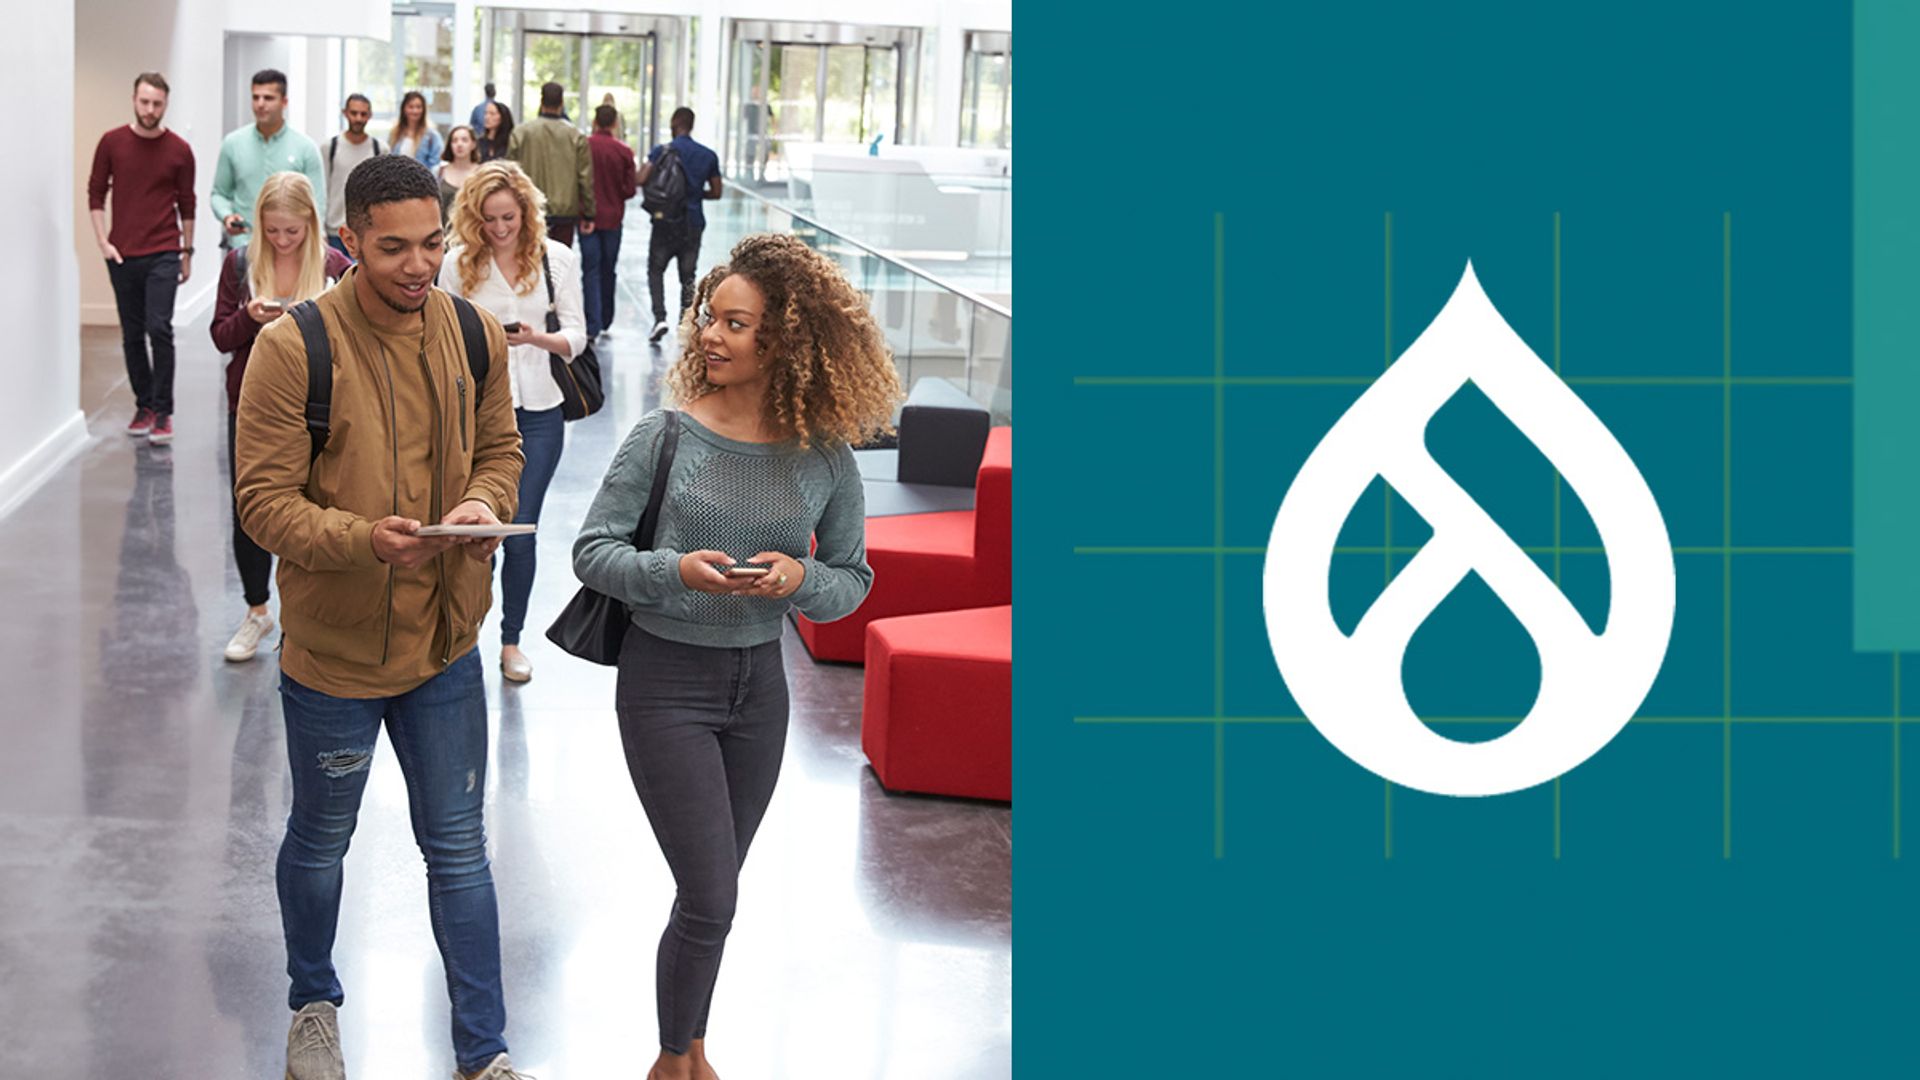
[[938, 714], [932, 562]]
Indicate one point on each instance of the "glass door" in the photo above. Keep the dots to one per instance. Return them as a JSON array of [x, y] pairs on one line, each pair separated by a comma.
[[625, 69], [747, 141], [860, 94], [551, 58]]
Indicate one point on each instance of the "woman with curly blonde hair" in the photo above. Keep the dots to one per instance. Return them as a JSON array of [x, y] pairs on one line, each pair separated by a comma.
[[784, 373], [505, 263]]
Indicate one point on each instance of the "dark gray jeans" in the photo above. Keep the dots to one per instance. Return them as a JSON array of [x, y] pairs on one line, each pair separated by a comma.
[[704, 730]]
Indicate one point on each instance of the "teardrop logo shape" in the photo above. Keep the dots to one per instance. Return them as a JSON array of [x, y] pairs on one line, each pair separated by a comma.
[[1351, 687]]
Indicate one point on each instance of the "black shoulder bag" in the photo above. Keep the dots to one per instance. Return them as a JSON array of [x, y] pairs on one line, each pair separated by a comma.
[[594, 625], [579, 379]]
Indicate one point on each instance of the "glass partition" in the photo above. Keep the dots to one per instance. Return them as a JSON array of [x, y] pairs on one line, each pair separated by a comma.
[[935, 328]]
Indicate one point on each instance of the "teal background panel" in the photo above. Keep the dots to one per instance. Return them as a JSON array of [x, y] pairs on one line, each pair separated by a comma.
[[1714, 893]]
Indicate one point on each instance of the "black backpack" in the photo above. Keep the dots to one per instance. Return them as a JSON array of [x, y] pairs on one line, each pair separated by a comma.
[[333, 145], [313, 331], [664, 195]]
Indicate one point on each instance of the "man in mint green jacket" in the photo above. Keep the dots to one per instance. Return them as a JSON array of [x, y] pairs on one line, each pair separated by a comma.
[[251, 154], [557, 159]]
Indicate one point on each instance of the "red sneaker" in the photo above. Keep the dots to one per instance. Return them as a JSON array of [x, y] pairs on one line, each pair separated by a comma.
[[162, 432], [142, 423]]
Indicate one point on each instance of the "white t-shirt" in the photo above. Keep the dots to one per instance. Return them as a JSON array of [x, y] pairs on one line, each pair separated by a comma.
[[338, 158], [531, 372]]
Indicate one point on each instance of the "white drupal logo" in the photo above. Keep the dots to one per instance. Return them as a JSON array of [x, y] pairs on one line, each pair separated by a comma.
[[1351, 688]]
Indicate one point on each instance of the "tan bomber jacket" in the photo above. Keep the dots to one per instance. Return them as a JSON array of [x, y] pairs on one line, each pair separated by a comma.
[[409, 435]]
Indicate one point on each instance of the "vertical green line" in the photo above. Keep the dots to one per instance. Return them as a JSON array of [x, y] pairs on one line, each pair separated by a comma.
[[1388, 784], [1896, 754], [1726, 534], [1386, 553], [1556, 485], [1219, 537]]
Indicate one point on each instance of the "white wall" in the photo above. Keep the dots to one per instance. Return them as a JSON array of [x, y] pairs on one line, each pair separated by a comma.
[[185, 40], [41, 426]]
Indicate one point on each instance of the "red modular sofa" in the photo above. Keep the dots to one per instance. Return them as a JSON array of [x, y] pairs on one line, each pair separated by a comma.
[[932, 562], [938, 711]]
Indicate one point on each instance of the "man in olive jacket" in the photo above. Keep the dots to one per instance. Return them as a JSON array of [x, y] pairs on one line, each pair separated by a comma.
[[381, 622], [558, 160]]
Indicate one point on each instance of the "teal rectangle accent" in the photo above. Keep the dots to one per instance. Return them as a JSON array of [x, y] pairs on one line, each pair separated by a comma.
[[1886, 326]]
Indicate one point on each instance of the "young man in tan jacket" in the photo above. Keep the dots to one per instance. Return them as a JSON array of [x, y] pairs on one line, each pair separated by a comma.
[[381, 622]]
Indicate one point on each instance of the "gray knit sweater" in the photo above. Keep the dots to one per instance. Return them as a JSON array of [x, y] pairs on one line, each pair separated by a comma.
[[740, 498]]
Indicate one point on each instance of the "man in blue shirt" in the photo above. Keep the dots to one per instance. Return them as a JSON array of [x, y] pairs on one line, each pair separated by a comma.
[[250, 154], [478, 121], [678, 237]]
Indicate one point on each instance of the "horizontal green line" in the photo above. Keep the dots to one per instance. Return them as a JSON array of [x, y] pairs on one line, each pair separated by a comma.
[[1713, 721], [1367, 380], [1411, 550]]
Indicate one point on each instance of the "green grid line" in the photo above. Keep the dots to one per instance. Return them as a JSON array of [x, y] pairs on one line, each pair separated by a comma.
[[1670, 721], [1219, 536], [1386, 524], [1557, 539], [1726, 534], [1409, 550], [1649, 381]]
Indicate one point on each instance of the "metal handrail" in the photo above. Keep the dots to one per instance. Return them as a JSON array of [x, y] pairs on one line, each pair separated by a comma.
[[882, 256]]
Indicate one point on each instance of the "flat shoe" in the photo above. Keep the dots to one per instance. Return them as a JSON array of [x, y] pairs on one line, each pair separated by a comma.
[[516, 670]]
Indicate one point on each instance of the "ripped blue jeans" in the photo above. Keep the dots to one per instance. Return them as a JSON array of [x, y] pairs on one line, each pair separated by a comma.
[[439, 734]]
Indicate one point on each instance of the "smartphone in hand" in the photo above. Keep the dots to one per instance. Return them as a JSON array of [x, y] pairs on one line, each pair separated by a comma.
[[747, 570], [510, 327]]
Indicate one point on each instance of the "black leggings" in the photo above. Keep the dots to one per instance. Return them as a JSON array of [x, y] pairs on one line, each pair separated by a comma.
[[254, 561], [704, 730]]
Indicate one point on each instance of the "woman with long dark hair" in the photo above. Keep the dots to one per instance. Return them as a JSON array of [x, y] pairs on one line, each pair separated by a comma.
[[783, 372], [497, 129], [412, 135]]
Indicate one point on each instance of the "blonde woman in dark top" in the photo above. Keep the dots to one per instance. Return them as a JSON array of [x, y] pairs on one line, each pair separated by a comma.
[[784, 372]]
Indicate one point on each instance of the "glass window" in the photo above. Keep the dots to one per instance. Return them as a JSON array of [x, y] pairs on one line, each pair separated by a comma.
[[986, 99]]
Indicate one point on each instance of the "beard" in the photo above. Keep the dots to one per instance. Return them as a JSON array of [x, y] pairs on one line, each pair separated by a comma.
[[145, 124], [399, 306]]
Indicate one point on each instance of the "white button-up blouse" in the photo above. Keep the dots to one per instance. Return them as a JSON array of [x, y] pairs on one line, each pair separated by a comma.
[[531, 372]]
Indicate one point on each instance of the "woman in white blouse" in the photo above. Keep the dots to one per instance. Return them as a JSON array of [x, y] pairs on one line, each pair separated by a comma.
[[503, 262]]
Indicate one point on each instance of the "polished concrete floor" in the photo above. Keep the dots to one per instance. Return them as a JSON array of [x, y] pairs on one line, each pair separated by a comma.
[[143, 790]]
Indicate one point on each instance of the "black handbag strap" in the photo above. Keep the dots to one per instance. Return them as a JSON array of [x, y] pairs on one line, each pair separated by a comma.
[[553, 305], [650, 518]]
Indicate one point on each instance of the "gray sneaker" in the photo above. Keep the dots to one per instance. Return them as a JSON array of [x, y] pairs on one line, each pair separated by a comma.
[[313, 1044], [497, 1069]]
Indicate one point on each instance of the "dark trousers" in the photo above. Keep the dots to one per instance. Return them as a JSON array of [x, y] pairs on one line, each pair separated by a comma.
[[599, 258], [672, 240], [543, 435], [254, 561], [704, 730], [143, 289], [561, 228]]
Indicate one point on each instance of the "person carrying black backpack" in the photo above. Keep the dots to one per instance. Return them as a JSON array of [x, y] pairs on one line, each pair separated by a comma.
[[677, 177]]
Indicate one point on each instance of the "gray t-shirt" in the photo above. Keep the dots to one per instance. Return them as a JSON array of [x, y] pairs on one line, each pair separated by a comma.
[[736, 497], [338, 157]]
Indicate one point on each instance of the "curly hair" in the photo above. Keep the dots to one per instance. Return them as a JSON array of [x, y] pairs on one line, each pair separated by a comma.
[[832, 374], [475, 250]]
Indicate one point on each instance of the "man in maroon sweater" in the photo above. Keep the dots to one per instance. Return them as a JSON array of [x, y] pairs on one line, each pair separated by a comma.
[[613, 185], [149, 252]]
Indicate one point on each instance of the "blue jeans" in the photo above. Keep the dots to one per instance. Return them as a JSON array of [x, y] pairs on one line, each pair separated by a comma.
[[542, 435], [439, 733], [599, 260]]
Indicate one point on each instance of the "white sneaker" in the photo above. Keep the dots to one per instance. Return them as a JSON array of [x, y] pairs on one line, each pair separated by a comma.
[[497, 1069], [246, 640], [660, 329]]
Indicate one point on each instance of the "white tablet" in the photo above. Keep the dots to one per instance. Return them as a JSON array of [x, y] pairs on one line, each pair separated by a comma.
[[475, 530]]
